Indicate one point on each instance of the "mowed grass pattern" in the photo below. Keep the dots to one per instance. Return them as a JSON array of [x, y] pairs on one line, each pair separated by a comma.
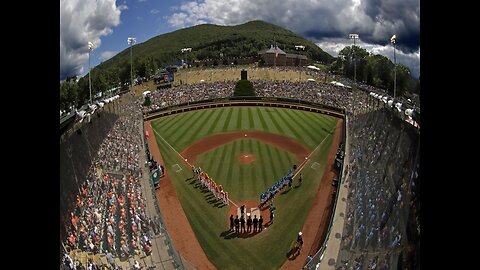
[[243, 181], [268, 249], [181, 130]]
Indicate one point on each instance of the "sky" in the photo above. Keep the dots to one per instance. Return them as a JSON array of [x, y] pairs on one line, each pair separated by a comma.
[[108, 24]]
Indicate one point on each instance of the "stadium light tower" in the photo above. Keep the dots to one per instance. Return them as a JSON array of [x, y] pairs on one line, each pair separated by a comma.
[[90, 49], [131, 41], [393, 40], [300, 47], [354, 37], [185, 50]]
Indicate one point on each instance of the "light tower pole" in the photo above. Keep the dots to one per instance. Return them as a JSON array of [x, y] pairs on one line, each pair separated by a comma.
[[186, 50], [354, 37], [393, 40], [131, 41], [300, 47], [90, 49]]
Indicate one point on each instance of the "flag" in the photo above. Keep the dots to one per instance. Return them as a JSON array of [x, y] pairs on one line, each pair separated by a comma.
[[393, 39], [276, 51]]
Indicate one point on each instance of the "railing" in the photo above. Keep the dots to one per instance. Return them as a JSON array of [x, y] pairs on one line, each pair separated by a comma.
[[245, 101]]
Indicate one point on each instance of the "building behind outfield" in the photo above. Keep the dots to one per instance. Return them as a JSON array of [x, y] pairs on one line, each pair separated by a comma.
[[292, 59]]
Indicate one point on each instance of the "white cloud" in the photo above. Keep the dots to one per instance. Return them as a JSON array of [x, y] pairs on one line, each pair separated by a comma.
[[142, 1], [374, 20], [154, 11], [82, 21], [411, 60], [107, 55], [123, 7], [321, 20]]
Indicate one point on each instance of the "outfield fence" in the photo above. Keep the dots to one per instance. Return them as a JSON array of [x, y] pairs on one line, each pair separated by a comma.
[[245, 101]]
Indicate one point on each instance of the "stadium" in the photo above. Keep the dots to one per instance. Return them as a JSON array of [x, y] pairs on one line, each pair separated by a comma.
[[357, 151], [238, 135]]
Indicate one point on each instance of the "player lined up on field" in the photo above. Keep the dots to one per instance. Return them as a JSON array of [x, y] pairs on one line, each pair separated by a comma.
[[207, 182]]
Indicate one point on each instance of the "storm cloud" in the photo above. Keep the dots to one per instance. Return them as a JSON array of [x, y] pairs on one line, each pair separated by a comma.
[[374, 20]]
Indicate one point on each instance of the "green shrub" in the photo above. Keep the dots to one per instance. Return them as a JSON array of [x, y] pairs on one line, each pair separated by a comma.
[[244, 88]]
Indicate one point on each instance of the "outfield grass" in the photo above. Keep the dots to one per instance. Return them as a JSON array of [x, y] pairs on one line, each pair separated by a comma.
[[181, 130], [243, 181], [268, 249]]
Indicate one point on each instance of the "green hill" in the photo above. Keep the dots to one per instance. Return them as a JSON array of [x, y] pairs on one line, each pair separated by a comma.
[[210, 41]]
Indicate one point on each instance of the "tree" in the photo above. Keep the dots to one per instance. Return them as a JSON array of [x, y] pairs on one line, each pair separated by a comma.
[[99, 82], [244, 88], [83, 92], [139, 68], [64, 89], [124, 74], [383, 73], [404, 80], [347, 58]]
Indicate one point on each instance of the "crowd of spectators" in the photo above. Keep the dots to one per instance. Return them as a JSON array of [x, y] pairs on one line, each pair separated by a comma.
[[189, 93], [382, 156], [120, 149], [109, 214], [323, 93], [406, 102], [109, 210]]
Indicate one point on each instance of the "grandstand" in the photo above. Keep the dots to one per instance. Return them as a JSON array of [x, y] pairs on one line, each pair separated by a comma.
[[110, 215], [382, 172]]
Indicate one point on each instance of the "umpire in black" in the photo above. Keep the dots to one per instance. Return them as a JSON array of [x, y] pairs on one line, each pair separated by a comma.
[[232, 222], [242, 224], [237, 225], [249, 223]]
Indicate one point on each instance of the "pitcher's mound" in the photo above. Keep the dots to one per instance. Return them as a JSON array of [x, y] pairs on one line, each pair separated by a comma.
[[246, 158]]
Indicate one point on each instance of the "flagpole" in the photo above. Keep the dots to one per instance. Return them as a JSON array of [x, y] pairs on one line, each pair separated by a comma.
[[275, 58]]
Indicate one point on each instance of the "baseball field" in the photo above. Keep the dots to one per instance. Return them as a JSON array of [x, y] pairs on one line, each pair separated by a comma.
[[246, 150]]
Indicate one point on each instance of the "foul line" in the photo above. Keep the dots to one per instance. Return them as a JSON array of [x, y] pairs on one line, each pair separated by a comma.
[[300, 168], [172, 148], [183, 159]]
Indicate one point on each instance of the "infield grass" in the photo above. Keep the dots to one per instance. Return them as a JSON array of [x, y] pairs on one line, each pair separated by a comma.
[[208, 219]]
